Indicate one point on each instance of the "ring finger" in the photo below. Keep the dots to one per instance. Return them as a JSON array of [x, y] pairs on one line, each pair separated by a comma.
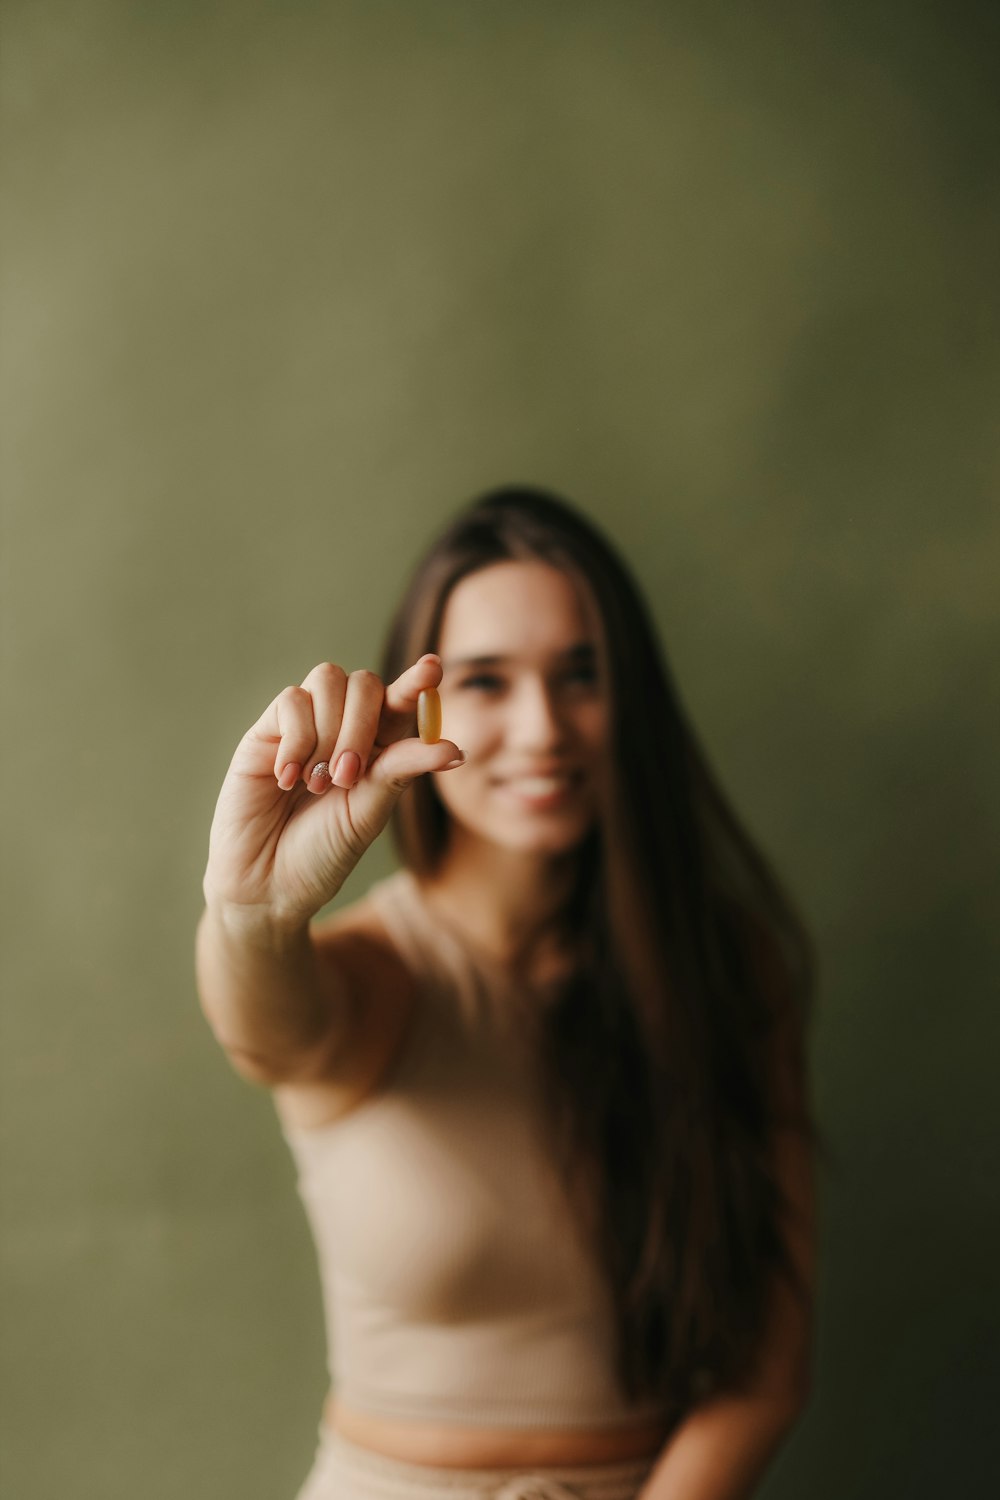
[[327, 686]]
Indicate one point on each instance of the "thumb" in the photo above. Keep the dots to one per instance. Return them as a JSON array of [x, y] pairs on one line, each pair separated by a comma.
[[372, 798], [403, 761]]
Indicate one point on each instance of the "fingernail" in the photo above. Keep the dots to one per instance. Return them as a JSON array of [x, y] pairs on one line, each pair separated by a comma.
[[453, 763], [320, 775], [289, 776], [347, 770]]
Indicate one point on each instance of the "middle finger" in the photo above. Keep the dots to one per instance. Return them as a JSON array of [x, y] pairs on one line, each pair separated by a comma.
[[359, 725]]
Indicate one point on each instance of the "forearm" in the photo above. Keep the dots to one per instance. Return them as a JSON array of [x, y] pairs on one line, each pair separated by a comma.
[[722, 1450], [259, 987]]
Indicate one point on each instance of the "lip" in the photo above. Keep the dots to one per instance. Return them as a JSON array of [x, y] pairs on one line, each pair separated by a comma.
[[526, 774], [537, 802]]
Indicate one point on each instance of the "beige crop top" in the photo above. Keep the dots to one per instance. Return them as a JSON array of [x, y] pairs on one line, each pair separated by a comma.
[[454, 1287]]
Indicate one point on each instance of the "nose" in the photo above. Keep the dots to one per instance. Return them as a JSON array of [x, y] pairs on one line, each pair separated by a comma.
[[536, 722]]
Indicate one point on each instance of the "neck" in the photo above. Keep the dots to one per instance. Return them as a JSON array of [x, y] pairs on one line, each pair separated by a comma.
[[504, 900]]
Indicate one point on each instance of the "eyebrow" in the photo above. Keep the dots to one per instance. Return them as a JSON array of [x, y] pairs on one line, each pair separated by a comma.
[[582, 651]]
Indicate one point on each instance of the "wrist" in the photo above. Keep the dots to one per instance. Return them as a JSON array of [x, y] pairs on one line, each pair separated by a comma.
[[259, 926]]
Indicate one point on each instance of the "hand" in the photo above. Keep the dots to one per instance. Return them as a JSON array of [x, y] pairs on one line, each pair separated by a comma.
[[284, 838]]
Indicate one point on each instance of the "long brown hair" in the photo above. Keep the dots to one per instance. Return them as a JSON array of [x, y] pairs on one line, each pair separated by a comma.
[[690, 997]]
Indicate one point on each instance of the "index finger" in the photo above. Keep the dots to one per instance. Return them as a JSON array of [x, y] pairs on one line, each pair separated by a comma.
[[399, 705]]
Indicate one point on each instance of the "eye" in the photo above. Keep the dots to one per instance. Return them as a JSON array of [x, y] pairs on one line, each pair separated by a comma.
[[484, 678], [586, 674]]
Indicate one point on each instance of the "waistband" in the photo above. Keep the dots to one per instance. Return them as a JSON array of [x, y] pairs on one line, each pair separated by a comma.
[[366, 1472]]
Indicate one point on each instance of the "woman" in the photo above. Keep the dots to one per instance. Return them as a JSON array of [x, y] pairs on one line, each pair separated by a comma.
[[545, 1086]]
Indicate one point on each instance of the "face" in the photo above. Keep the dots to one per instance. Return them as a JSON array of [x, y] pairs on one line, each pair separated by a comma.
[[533, 722]]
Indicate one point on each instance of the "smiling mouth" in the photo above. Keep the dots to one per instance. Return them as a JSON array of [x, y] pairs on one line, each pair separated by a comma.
[[541, 791]]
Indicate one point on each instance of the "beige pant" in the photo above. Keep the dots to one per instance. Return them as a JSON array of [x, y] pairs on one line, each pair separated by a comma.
[[345, 1471]]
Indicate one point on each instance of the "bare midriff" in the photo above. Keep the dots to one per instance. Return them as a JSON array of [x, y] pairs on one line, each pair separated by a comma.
[[493, 1447]]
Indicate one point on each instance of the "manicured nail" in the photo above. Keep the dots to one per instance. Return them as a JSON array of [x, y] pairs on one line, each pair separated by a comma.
[[319, 779], [289, 776], [347, 770]]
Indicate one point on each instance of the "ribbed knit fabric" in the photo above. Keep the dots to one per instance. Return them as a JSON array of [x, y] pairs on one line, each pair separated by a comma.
[[454, 1286]]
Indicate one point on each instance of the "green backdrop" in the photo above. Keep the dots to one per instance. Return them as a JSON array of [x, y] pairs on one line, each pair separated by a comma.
[[284, 284]]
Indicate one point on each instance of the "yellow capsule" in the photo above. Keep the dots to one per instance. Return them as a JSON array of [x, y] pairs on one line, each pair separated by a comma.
[[429, 716]]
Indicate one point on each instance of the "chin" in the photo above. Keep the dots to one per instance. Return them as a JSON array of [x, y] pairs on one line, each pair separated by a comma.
[[527, 833], [536, 840]]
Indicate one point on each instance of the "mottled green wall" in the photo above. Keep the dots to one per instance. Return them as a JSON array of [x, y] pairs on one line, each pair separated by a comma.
[[286, 283]]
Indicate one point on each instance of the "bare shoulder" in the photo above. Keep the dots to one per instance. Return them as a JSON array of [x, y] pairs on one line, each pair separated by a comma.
[[375, 991]]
